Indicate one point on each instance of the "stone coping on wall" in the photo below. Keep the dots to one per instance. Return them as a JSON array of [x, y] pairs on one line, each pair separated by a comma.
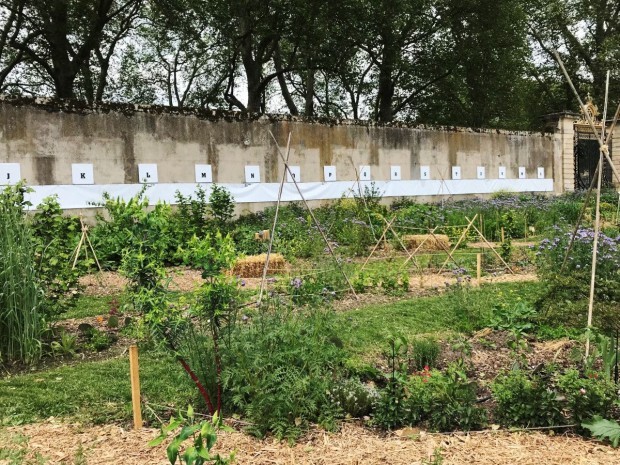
[[52, 104]]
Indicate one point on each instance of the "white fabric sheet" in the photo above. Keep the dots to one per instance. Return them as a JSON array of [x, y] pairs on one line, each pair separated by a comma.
[[88, 196]]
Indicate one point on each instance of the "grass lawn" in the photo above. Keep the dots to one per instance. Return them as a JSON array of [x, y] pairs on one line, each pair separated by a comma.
[[99, 391], [449, 313], [94, 392]]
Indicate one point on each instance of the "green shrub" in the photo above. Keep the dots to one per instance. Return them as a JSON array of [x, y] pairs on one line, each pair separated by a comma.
[[353, 397], [588, 396], [444, 401], [280, 369], [129, 224], [526, 400], [56, 237]]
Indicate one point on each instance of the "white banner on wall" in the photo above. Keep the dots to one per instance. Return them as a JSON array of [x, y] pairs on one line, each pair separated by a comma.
[[90, 196]]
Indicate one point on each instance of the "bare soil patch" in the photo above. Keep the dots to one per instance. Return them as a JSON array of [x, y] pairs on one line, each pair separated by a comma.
[[352, 445]]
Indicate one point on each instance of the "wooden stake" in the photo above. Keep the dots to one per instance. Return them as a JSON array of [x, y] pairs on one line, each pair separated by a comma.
[[479, 268], [383, 236], [461, 238], [275, 222], [315, 221], [134, 371], [503, 234], [484, 239]]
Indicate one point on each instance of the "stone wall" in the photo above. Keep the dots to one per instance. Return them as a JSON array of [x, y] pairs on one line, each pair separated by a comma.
[[46, 137]]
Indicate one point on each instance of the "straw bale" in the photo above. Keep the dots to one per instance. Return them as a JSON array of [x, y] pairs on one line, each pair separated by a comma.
[[352, 445], [252, 265], [428, 241]]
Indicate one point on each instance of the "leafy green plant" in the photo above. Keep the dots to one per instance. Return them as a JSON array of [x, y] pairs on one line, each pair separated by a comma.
[[221, 205], [526, 400], [586, 396], [518, 318], [56, 237], [21, 299], [604, 429], [424, 353], [280, 369], [353, 397], [444, 401], [97, 340], [128, 224], [201, 434], [389, 412], [66, 346]]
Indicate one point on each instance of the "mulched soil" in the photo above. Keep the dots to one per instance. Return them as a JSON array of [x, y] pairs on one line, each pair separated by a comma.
[[352, 445]]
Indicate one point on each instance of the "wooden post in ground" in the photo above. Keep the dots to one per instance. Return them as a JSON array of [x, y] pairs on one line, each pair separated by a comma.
[[134, 371], [479, 268], [502, 234]]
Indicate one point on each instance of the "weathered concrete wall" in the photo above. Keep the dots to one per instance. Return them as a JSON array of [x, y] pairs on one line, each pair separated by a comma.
[[46, 137]]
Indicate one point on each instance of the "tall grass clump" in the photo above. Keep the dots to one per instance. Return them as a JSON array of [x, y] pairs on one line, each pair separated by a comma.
[[20, 296]]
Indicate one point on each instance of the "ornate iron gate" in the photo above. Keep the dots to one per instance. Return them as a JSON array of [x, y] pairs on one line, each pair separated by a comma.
[[586, 158]]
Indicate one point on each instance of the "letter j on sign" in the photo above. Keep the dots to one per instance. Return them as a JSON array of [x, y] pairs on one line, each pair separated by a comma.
[[9, 173]]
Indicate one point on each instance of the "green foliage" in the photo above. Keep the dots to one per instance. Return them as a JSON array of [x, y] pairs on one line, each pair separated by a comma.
[[21, 299], [424, 353], [221, 205], [567, 285], [97, 340], [56, 238], [279, 370], [444, 401], [526, 400], [354, 398], [519, 318], [66, 346], [604, 429], [390, 408], [586, 396], [130, 224], [191, 216], [439, 401], [201, 434]]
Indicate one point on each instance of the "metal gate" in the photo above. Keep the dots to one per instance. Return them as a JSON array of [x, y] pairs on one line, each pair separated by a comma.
[[586, 158]]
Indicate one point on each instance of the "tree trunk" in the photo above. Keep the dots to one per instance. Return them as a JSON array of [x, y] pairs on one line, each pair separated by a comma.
[[385, 92], [290, 103], [309, 103]]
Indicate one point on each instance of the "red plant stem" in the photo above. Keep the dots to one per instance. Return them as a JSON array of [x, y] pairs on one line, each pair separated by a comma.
[[201, 388]]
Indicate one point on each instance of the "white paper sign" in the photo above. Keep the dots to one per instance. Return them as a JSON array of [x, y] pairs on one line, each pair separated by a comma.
[[364, 173], [329, 173], [522, 172], [293, 172], [82, 173], [395, 173], [541, 172], [456, 172], [204, 173], [480, 172], [147, 173], [252, 174], [10, 173], [502, 172], [425, 172]]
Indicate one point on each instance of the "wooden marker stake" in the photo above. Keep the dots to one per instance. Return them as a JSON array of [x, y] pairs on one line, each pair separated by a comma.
[[479, 267], [134, 371]]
